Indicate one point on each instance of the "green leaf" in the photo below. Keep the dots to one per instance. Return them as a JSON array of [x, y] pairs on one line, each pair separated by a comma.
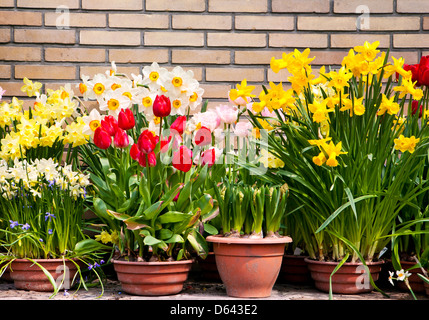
[[199, 243], [165, 234], [151, 241], [135, 223], [210, 229], [89, 246], [175, 238], [173, 216], [101, 209]]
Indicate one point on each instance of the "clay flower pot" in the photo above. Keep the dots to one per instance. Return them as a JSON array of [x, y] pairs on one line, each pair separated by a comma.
[[28, 276], [294, 270], [414, 280], [248, 267], [350, 278], [152, 278]]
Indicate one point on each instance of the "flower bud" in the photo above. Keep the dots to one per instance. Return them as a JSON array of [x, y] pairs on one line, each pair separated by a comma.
[[102, 138], [126, 119], [121, 139], [161, 106]]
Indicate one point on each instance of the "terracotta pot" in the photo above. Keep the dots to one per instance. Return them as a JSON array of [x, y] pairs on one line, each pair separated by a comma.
[[414, 280], [294, 270], [6, 274], [248, 267], [350, 278], [208, 268], [28, 276], [152, 278]]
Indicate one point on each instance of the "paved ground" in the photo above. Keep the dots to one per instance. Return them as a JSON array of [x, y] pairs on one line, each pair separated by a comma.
[[199, 289]]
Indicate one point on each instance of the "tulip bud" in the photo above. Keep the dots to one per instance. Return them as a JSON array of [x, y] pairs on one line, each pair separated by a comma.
[[121, 139], [147, 141], [102, 138], [110, 125], [150, 157], [134, 152], [203, 137], [182, 159], [126, 119], [178, 126], [161, 106]]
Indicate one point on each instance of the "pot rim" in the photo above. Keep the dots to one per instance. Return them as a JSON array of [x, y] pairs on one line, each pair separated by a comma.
[[334, 263], [44, 260], [152, 263], [263, 241]]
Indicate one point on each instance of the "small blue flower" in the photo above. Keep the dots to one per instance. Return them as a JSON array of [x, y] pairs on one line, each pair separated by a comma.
[[90, 266], [49, 215], [13, 224], [41, 240], [25, 227], [50, 231]]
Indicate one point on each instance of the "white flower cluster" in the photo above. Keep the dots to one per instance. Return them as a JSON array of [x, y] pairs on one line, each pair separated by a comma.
[[114, 92], [41, 174]]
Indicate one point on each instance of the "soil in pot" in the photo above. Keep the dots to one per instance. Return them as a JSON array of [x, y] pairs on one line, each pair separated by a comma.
[[152, 278], [350, 278], [294, 270], [248, 267], [28, 276]]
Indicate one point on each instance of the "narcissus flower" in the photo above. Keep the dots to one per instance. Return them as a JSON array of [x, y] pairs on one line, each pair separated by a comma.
[[406, 144], [30, 88]]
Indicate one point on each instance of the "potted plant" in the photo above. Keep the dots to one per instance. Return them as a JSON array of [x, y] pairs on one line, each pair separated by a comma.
[[149, 186], [43, 192], [348, 153], [250, 248]]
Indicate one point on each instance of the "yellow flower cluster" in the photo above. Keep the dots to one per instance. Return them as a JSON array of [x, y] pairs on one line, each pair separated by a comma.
[[270, 161], [406, 144], [48, 121], [105, 237], [328, 152]]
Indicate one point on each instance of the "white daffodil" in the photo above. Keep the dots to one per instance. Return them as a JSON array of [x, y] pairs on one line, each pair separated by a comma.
[[92, 122], [113, 102], [154, 76]]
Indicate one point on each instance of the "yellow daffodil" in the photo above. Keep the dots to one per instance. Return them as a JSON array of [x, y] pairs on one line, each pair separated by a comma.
[[406, 144], [388, 105], [368, 50], [31, 88], [340, 79], [243, 90], [319, 111]]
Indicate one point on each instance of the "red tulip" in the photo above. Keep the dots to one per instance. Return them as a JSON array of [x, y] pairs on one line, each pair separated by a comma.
[[126, 119], [182, 159], [110, 125], [161, 106], [121, 139], [102, 138], [150, 157], [203, 137], [178, 126], [208, 157], [414, 68], [415, 106], [147, 141], [134, 152], [423, 71], [165, 143]]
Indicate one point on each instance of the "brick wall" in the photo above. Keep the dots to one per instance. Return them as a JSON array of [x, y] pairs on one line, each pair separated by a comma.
[[222, 41]]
